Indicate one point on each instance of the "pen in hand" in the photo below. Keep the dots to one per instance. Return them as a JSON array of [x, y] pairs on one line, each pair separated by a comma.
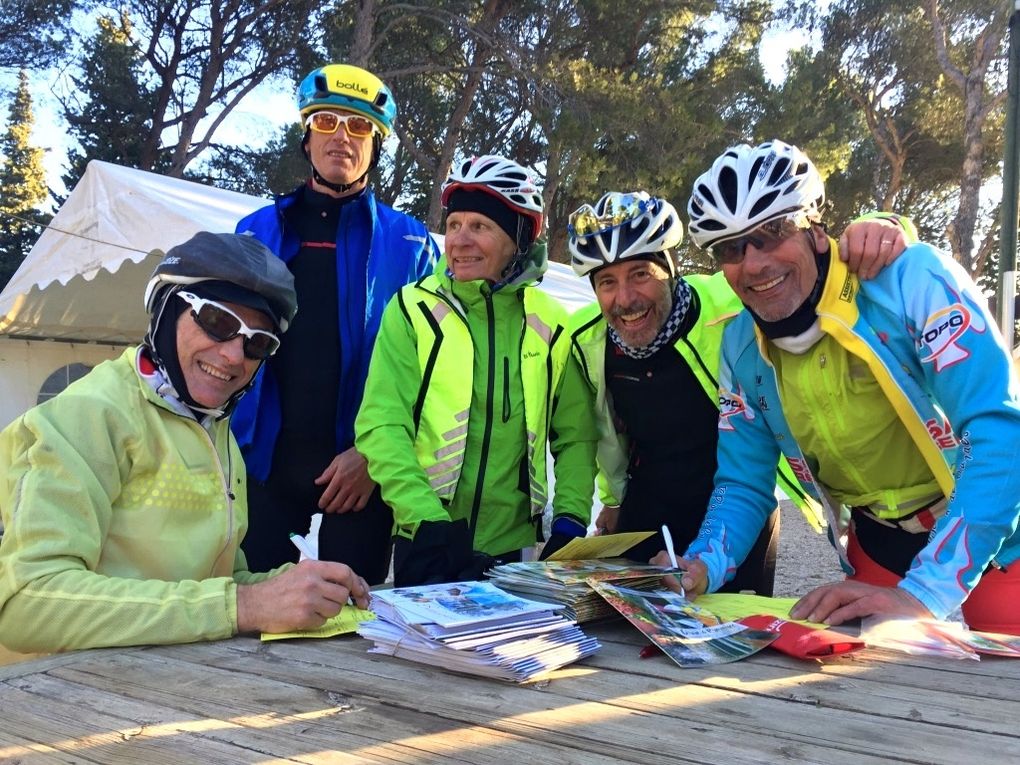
[[308, 554], [302, 545], [668, 539]]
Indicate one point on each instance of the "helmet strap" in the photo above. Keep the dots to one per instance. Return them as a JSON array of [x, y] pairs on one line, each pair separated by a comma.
[[161, 342]]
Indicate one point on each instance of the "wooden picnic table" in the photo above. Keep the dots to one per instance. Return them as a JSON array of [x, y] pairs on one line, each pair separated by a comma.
[[314, 701]]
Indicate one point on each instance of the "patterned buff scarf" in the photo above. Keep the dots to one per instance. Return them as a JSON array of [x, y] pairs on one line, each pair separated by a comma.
[[681, 301]]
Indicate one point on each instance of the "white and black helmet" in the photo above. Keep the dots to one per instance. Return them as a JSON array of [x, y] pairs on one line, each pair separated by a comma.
[[621, 226], [748, 186], [503, 178]]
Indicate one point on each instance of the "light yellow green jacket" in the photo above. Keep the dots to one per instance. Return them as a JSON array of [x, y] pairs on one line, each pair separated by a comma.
[[122, 520]]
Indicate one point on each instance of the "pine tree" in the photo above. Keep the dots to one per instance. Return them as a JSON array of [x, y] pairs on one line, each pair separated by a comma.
[[111, 116], [22, 184]]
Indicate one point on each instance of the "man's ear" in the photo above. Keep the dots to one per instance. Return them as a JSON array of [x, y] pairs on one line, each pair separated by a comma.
[[304, 145], [821, 238]]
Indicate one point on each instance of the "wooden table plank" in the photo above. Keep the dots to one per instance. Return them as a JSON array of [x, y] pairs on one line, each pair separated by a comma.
[[331, 701], [287, 719], [671, 721]]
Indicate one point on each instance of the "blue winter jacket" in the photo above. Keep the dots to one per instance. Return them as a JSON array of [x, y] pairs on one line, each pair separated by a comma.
[[378, 251], [926, 334]]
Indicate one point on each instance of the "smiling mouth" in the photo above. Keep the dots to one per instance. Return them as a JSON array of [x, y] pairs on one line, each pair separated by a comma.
[[633, 318], [213, 372], [768, 285]]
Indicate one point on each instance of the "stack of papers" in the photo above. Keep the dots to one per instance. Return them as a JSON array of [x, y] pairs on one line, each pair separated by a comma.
[[564, 582], [475, 628]]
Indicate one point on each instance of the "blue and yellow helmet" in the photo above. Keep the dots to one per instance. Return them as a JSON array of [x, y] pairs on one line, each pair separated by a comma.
[[343, 86]]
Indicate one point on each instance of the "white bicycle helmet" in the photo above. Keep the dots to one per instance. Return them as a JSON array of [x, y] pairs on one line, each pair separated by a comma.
[[621, 226], [503, 178], [748, 186]]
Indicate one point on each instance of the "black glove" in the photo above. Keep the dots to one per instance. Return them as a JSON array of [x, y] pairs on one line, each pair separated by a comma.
[[564, 528], [439, 552]]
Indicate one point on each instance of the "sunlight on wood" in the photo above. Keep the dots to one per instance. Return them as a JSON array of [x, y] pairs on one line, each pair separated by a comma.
[[163, 730], [705, 692]]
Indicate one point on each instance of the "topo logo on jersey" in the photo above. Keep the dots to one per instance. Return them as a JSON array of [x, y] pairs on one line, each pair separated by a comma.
[[730, 405], [941, 334]]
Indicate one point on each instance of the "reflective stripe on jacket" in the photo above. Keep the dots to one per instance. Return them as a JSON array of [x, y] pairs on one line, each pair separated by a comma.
[[445, 354]]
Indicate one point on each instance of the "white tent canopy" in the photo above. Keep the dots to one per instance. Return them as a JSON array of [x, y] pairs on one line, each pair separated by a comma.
[[82, 282], [84, 278]]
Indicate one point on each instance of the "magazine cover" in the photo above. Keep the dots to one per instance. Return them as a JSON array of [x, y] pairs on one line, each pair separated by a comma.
[[454, 603], [689, 635]]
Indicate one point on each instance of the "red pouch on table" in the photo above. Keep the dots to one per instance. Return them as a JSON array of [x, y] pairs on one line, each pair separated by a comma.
[[803, 642]]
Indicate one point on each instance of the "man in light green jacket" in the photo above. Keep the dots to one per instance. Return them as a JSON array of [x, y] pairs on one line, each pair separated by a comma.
[[123, 497], [471, 378]]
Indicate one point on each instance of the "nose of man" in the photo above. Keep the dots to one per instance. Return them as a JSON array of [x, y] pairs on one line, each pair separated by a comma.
[[233, 350]]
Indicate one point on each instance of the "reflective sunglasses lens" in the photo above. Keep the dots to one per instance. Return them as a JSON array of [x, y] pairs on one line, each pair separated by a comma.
[[583, 221], [261, 345], [359, 126], [329, 122], [324, 122], [729, 252], [217, 323], [623, 207]]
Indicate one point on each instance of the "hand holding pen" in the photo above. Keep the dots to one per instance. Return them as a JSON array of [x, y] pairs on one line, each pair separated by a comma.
[[691, 579], [299, 597]]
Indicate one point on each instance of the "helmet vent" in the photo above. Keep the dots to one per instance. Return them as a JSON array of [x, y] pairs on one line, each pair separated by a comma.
[[779, 171], [763, 203], [728, 186]]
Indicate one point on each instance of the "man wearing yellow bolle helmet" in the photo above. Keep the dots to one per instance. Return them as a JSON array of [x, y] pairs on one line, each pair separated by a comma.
[[349, 254]]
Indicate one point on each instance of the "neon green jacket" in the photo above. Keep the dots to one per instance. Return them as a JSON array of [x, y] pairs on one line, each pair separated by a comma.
[[122, 520], [465, 389]]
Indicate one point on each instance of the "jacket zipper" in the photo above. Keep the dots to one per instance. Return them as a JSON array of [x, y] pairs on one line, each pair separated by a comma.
[[489, 405], [506, 389]]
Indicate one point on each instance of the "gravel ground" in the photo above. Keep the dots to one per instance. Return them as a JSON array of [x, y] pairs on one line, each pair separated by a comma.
[[806, 559]]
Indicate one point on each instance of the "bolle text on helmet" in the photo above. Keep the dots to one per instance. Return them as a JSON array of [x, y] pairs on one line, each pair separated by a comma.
[[341, 85]]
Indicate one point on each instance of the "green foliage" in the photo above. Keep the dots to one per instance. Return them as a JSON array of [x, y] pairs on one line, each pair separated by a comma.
[[32, 31], [156, 82], [275, 169], [22, 184], [879, 115], [597, 95], [110, 110]]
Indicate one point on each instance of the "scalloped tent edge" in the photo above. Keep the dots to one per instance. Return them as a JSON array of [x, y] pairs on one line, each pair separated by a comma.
[[77, 297]]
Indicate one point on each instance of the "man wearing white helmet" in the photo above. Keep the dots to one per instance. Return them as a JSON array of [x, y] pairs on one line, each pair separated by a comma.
[[349, 254], [123, 497], [894, 399], [471, 379], [654, 336]]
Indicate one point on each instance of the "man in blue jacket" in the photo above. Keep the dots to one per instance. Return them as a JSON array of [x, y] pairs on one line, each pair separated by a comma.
[[349, 254], [893, 399]]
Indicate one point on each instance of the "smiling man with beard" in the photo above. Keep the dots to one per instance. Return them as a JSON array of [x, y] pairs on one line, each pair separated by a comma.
[[649, 349]]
